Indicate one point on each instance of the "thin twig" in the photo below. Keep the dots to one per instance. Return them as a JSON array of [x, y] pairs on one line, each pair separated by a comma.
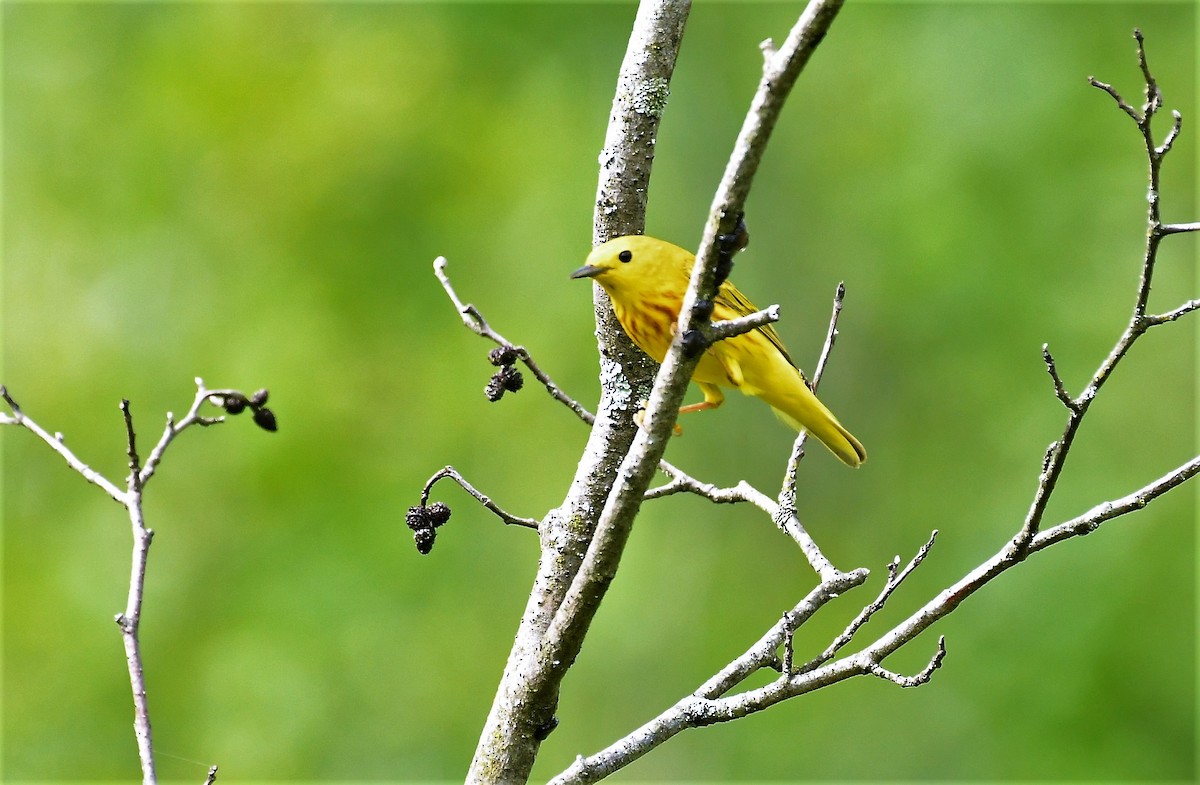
[[923, 677], [787, 493], [57, 443], [682, 482], [1173, 314], [474, 321], [451, 473], [831, 335], [1060, 390], [173, 428], [729, 328], [130, 620], [896, 577], [1106, 511], [1172, 134], [1112, 91]]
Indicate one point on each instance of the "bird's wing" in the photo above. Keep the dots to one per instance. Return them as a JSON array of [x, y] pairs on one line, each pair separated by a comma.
[[730, 304]]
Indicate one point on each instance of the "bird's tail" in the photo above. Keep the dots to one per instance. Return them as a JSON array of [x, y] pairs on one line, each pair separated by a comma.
[[799, 408]]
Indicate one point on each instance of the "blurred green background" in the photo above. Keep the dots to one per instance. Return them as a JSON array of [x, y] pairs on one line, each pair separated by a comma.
[[254, 193]]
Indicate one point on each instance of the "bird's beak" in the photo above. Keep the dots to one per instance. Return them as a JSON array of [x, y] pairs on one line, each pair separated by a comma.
[[587, 271]]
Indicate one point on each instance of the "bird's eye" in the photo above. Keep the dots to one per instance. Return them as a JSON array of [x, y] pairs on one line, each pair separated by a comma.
[[625, 256]]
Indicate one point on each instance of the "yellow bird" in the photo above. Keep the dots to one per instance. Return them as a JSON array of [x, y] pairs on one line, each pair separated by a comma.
[[646, 279]]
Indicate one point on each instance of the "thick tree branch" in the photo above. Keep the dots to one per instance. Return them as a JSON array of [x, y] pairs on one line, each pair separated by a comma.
[[522, 713], [600, 564]]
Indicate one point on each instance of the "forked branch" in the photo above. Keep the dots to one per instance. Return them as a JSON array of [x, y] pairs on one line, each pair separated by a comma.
[[140, 473]]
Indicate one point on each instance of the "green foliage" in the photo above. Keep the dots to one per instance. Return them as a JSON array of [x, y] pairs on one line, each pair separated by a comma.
[[254, 193]]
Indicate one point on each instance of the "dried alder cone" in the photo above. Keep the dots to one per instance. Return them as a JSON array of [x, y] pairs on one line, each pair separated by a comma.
[[236, 403], [508, 378], [424, 520], [646, 280]]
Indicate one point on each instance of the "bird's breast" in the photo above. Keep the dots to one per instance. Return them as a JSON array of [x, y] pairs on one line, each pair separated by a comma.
[[650, 323]]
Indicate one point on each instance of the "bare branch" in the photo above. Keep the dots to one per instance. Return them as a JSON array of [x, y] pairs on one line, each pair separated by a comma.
[[1166, 229], [1121, 102], [790, 524], [129, 620], [1060, 390], [1139, 321], [839, 297], [1106, 511], [744, 324], [1174, 313], [787, 493], [57, 444], [875, 669], [474, 321], [572, 618], [451, 473], [706, 705], [896, 577]]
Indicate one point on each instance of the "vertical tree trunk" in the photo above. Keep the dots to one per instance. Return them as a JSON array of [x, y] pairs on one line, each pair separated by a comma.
[[522, 713]]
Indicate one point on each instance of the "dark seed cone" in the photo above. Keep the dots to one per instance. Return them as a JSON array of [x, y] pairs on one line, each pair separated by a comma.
[[511, 378], [417, 518], [495, 387], [265, 418], [424, 539], [438, 513], [502, 355]]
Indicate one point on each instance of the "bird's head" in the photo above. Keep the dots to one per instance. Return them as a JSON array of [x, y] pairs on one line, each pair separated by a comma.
[[635, 262]]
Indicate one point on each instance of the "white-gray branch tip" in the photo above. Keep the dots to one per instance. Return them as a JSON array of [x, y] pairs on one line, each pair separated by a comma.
[[917, 679]]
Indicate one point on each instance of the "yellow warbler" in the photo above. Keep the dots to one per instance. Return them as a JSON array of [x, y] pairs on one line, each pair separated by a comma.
[[646, 279]]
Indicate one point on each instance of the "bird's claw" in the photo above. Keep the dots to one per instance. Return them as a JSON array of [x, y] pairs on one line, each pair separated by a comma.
[[694, 343], [640, 415], [728, 245]]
